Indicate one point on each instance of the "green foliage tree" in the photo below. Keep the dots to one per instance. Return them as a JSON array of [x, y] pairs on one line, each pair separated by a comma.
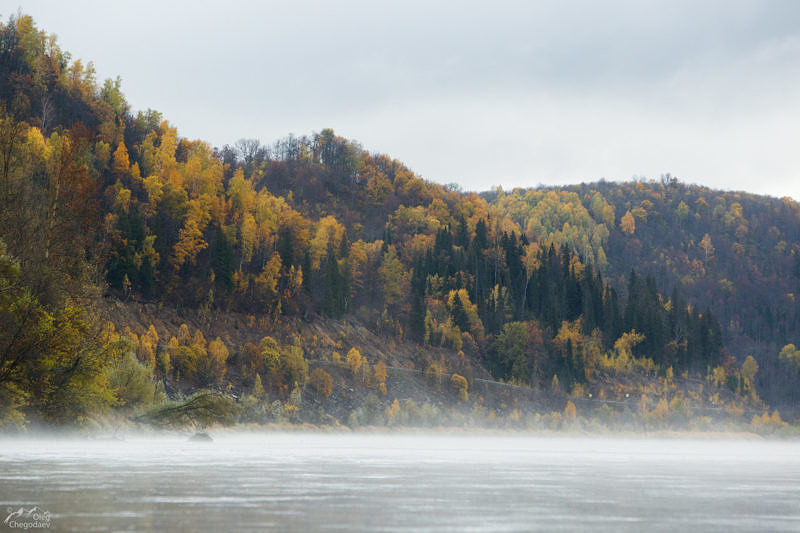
[[51, 360], [510, 348], [131, 381], [285, 364], [202, 409]]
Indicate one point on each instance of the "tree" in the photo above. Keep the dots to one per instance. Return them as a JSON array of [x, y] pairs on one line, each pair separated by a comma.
[[393, 278], [749, 369], [625, 344], [380, 372], [791, 355], [51, 360], [661, 412], [555, 385], [627, 223], [682, 211], [248, 239], [190, 243], [258, 388], [433, 375], [509, 347], [322, 382], [461, 386], [416, 316], [326, 241], [335, 288], [354, 360], [706, 246], [132, 381], [247, 149], [392, 413], [12, 135], [217, 358], [121, 164], [285, 364], [222, 260], [202, 409]]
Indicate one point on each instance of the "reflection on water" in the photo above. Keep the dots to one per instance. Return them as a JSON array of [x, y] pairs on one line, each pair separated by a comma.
[[310, 481]]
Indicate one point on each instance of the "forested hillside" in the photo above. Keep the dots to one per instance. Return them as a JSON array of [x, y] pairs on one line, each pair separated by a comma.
[[734, 253], [553, 289]]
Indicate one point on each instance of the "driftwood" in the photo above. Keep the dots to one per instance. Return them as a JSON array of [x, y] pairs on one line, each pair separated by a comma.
[[202, 409]]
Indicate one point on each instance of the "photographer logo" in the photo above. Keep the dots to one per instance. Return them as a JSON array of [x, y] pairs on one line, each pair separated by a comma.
[[33, 518]]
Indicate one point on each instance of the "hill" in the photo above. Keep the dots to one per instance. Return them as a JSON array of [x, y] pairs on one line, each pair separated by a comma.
[[605, 288], [733, 253]]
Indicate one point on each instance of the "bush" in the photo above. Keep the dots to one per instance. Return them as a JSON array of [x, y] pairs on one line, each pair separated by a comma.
[[433, 374], [321, 382], [132, 381], [285, 365], [461, 386]]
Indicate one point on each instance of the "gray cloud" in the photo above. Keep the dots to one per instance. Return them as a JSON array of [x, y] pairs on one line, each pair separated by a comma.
[[512, 93]]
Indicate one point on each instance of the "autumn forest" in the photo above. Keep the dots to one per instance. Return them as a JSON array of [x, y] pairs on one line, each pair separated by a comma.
[[157, 280]]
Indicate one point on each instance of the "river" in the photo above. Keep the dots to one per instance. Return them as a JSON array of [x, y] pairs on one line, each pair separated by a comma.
[[398, 482]]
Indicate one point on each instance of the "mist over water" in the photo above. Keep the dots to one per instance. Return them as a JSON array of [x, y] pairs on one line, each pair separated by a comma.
[[396, 482]]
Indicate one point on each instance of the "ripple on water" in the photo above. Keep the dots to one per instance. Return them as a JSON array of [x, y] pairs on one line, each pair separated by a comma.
[[406, 482]]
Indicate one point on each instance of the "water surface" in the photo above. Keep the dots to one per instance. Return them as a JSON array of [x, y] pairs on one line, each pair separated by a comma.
[[403, 482]]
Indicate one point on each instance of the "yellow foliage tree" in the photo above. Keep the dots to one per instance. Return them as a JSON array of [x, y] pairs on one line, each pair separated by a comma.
[[218, 355], [706, 246], [121, 163], [326, 240], [661, 412], [322, 382], [392, 413], [380, 375], [354, 360], [749, 369], [148, 344], [190, 243], [718, 376], [627, 223], [791, 355], [247, 237], [258, 388], [394, 278], [266, 283], [461, 386]]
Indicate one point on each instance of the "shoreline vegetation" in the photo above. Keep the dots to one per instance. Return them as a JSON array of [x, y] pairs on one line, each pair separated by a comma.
[[211, 412], [150, 279], [116, 432]]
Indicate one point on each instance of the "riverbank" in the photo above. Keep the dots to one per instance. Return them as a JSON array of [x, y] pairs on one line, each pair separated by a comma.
[[132, 430]]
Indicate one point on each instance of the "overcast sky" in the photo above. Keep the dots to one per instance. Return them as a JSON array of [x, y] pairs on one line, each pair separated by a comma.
[[477, 93]]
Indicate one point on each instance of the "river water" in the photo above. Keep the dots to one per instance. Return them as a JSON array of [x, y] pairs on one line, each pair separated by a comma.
[[399, 482]]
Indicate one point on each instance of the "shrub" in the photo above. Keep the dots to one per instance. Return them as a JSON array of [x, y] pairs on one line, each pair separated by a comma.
[[321, 382], [461, 386], [433, 374]]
